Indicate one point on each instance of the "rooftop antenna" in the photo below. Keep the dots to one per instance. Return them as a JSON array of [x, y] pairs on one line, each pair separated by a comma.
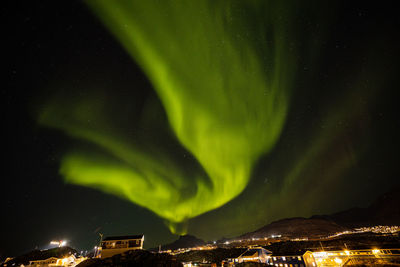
[[321, 245], [97, 250]]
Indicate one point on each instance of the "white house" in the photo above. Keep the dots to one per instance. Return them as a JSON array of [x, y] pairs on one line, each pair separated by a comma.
[[113, 245]]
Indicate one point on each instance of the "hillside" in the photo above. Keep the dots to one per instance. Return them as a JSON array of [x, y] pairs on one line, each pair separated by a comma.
[[41, 255], [297, 228], [134, 258], [385, 210]]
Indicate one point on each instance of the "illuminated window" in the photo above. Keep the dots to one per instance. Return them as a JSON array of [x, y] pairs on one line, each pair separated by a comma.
[[284, 258], [299, 258]]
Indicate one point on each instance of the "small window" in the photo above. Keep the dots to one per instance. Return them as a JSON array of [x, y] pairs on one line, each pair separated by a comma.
[[299, 258], [284, 258]]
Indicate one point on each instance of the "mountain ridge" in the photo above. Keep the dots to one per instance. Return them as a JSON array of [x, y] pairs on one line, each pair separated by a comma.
[[384, 210]]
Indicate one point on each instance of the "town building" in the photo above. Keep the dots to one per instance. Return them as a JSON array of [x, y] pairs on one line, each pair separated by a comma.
[[357, 257], [255, 254], [302, 260], [53, 261], [113, 245]]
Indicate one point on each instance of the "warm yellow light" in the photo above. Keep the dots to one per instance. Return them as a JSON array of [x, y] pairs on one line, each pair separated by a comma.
[[347, 252], [321, 254], [375, 251], [338, 261]]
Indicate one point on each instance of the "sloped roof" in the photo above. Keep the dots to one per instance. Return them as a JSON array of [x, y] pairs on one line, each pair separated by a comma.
[[123, 237], [45, 259], [250, 253]]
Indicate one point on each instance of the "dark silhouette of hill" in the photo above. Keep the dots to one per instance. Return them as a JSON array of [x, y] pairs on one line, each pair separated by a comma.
[[184, 241], [41, 255], [134, 258], [297, 228], [385, 210]]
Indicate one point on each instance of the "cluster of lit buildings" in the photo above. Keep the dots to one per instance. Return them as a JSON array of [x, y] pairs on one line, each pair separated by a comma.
[[378, 229], [315, 259], [109, 247], [53, 261], [381, 229], [184, 250]]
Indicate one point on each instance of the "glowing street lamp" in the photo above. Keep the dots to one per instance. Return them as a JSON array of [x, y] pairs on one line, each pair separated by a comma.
[[338, 260], [60, 243], [375, 251]]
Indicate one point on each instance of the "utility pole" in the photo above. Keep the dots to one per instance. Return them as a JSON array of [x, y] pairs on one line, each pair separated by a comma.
[[321, 245], [99, 246]]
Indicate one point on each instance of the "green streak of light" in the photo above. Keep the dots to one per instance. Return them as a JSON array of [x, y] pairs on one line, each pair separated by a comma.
[[222, 70]]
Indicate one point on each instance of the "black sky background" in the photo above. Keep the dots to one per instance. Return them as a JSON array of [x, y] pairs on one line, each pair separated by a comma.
[[62, 41]]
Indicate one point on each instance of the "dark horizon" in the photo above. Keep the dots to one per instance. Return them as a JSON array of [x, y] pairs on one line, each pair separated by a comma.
[[336, 149]]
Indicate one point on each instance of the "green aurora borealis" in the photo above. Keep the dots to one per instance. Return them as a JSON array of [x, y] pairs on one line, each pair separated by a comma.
[[225, 87], [231, 80], [207, 117]]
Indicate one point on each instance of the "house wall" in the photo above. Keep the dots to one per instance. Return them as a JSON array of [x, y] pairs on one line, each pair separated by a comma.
[[110, 248], [288, 261], [106, 253]]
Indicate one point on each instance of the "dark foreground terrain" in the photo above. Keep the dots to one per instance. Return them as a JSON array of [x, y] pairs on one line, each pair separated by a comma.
[[134, 258], [41, 255]]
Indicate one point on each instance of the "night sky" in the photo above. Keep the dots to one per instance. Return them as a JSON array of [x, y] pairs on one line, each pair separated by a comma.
[[211, 118]]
